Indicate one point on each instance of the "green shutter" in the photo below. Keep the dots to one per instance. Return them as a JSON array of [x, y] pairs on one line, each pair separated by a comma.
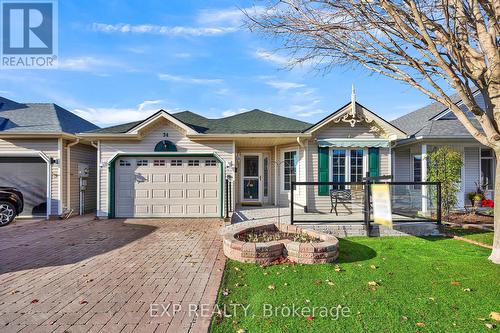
[[374, 162], [323, 170]]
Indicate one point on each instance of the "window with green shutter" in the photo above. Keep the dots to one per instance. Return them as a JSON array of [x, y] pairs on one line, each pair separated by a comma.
[[323, 176], [374, 162]]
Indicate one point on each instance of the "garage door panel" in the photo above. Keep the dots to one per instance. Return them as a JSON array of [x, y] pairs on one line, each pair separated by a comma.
[[210, 209], [176, 209], [176, 194], [159, 194], [193, 194], [176, 178], [210, 178], [210, 194], [142, 209], [142, 194], [168, 190], [159, 178], [193, 178], [193, 209]]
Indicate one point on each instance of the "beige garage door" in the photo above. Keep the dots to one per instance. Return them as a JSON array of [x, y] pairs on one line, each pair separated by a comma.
[[167, 187]]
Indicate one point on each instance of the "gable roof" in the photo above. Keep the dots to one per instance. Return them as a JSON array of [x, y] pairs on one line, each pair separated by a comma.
[[347, 108], [39, 118], [255, 121], [427, 122]]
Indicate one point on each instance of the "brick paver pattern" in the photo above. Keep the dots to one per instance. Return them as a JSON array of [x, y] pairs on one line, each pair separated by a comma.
[[82, 275]]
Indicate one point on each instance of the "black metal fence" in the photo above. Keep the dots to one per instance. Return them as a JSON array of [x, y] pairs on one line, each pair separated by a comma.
[[351, 202]]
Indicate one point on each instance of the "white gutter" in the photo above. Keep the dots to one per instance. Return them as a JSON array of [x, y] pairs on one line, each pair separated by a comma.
[[98, 176], [68, 174]]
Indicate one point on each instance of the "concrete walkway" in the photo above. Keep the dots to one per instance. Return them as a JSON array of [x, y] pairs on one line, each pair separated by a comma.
[[81, 275]]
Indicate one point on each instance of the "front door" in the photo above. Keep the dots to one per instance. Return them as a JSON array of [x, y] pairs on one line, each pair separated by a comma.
[[251, 178]]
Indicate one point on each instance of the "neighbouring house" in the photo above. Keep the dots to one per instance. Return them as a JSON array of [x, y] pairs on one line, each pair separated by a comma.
[[175, 165], [41, 155], [433, 126]]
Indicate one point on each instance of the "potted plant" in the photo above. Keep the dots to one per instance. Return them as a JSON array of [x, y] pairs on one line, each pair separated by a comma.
[[478, 198], [471, 196]]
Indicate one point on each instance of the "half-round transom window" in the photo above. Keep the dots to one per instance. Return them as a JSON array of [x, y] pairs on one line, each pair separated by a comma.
[[165, 145]]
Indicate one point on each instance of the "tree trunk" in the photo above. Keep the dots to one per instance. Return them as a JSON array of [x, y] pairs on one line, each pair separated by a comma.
[[495, 254]]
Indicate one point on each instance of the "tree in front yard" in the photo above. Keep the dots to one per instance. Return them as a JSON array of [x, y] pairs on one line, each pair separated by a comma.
[[439, 47], [445, 166]]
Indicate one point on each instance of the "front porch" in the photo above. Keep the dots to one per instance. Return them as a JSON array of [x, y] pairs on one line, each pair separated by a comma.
[[345, 225]]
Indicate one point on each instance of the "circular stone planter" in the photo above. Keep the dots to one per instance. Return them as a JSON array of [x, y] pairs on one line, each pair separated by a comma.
[[327, 250]]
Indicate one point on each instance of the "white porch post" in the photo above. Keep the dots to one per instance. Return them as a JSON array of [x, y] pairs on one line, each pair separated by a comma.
[[276, 178], [424, 178]]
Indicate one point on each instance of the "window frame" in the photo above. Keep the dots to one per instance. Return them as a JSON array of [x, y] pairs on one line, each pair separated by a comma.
[[347, 171], [491, 185], [283, 152]]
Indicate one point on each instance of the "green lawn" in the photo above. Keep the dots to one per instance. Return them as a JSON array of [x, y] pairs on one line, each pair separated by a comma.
[[478, 235], [424, 285]]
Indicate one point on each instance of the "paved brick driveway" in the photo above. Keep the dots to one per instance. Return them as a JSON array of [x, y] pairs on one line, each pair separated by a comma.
[[81, 275]]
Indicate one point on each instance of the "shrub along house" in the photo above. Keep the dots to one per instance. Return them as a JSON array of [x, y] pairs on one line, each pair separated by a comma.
[[174, 165], [40, 155]]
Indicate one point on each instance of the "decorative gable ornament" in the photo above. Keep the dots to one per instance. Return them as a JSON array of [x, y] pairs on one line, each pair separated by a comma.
[[354, 116]]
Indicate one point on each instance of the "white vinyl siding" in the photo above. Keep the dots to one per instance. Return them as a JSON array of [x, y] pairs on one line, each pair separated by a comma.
[[88, 155], [472, 170]]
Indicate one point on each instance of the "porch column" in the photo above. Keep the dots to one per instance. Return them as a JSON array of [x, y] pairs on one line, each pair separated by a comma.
[[276, 178], [424, 178]]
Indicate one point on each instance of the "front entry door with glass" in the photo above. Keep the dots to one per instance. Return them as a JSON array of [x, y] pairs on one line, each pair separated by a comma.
[[251, 178]]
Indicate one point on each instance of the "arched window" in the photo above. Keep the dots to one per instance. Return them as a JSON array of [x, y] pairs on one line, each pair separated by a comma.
[[165, 145]]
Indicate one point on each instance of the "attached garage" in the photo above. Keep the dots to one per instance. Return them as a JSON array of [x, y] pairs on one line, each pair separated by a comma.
[[166, 185], [29, 175]]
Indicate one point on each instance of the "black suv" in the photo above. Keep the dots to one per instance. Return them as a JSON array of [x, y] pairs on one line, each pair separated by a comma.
[[11, 204]]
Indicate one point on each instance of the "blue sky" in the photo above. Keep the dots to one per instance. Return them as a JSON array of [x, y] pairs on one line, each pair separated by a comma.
[[121, 61]]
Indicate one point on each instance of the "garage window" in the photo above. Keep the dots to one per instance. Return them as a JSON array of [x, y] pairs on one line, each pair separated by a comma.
[[193, 163], [210, 163], [124, 163], [159, 163], [176, 163], [142, 162]]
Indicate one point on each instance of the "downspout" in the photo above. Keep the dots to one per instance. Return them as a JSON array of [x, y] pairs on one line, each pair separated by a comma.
[[68, 175], [98, 176], [304, 178]]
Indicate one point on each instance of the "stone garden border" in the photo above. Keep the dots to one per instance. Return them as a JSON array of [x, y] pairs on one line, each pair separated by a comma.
[[264, 253]]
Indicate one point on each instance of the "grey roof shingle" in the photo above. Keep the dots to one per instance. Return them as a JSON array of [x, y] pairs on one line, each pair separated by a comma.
[[39, 117], [255, 121], [422, 123]]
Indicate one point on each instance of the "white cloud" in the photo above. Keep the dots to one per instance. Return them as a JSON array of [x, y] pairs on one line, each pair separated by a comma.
[[144, 105], [306, 110], [233, 112], [98, 66], [227, 16], [108, 116], [84, 63], [189, 80], [161, 29], [284, 85], [272, 57]]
